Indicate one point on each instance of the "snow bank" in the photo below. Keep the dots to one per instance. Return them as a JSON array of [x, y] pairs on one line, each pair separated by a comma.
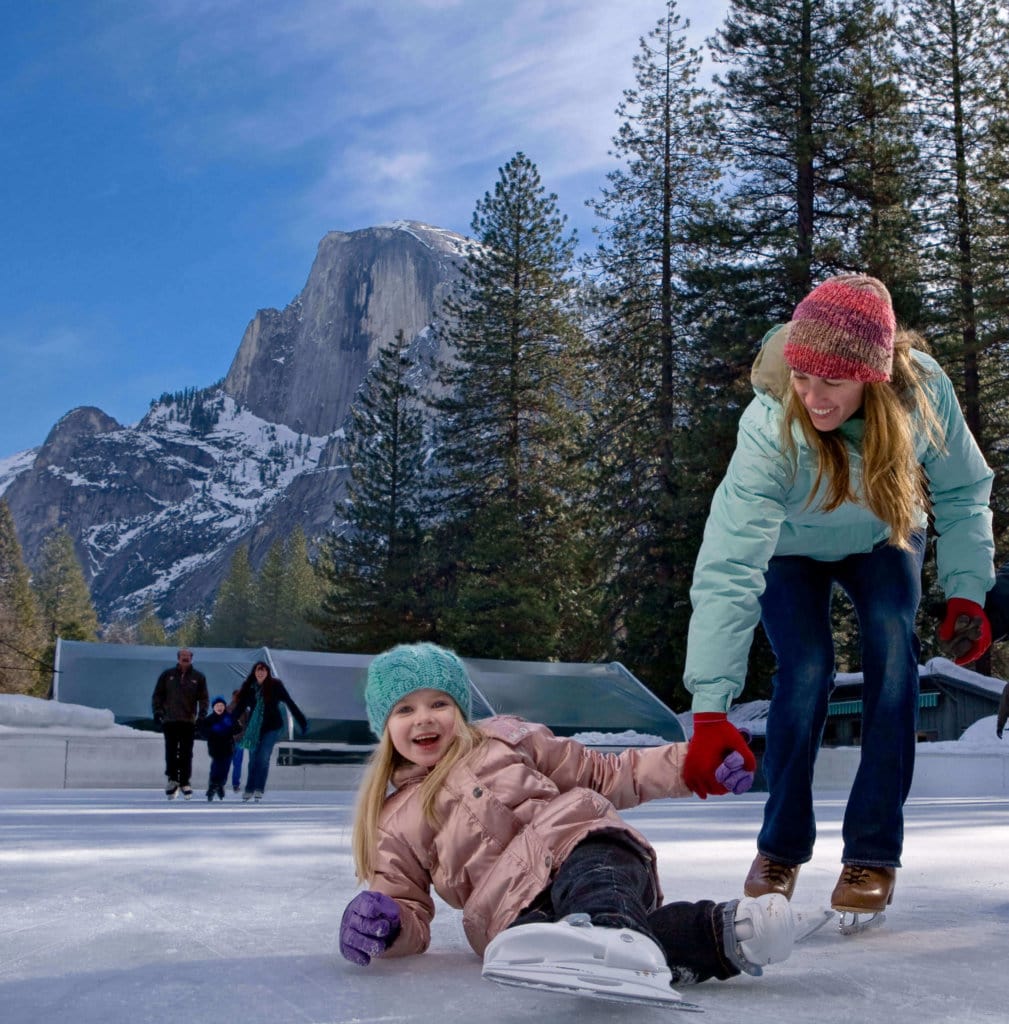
[[18, 712]]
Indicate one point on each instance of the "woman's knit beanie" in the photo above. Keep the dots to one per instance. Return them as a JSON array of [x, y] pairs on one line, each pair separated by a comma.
[[408, 667], [843, 330]]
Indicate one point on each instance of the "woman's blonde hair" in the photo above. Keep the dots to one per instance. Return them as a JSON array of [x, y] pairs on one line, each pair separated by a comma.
[[374, 789], [892, 482]]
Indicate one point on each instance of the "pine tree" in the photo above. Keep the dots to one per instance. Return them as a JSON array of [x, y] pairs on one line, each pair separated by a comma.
[[818, 141], [372, 567], [191, 631], [957, 68], [150, 628], [266, 615], [820, 179], [670, 151], [230, 619], [65, 605], [22, 669], [301, 594], [509, 429]]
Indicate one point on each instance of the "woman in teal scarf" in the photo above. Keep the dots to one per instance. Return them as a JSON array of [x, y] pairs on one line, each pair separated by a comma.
[[258, 703]]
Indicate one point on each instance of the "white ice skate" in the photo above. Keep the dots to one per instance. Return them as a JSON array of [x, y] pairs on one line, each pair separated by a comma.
[[575, 957], [763, 930]]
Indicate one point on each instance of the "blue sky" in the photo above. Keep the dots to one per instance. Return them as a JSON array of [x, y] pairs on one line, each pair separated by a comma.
[[171, 165]]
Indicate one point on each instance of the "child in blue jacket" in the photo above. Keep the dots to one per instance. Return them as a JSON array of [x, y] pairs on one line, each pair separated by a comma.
[[219, 729]]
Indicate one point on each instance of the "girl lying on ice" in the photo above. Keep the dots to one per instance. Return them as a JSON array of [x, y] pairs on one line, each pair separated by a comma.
[[519, 828]]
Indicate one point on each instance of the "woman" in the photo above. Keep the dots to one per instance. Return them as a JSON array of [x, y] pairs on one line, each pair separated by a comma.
[[852, 438], [258, 704]]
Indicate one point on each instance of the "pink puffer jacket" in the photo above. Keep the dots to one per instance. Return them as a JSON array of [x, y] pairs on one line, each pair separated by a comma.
[[511, 812]]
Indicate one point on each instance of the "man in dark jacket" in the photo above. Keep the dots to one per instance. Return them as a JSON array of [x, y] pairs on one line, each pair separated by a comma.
[[180, 697]]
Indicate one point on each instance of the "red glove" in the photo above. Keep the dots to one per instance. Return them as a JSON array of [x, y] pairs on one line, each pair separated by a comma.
[[714, 738], [965, 633]]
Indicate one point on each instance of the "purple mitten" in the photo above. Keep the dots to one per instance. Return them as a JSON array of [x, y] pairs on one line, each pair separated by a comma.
[[369, 927], [732, 775]]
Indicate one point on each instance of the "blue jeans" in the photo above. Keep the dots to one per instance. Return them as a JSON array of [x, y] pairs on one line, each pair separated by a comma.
[[236, 767], [259, 761], [884, 586]]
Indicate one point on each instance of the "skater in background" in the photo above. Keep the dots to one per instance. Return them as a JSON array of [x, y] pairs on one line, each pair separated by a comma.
[[258, 708], [238, 757], [219, 729], [516, 826], [179, 700], [852, 438]]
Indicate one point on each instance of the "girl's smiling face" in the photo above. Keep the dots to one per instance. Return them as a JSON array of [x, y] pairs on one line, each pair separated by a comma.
[[422, 725], [828, 402]]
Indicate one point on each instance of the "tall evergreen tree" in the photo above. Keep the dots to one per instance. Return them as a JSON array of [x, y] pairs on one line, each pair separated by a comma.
[[301, 594], [22, 670], [957, 68], [191, 631], [818, 142], [150, 629], [65, 605], [267, 611], [509, 428], [670, 153], [820, 180], [372, 567], [230, 619]]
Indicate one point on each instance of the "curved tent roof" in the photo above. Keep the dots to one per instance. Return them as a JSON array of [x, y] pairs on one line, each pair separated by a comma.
[[568, 697]]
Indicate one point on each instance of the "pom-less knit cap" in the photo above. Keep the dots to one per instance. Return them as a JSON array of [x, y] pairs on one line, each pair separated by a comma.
[[843, 330], [218, 700], [408, 667]]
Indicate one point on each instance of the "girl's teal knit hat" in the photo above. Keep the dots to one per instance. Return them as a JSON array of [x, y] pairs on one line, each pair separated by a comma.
[[408, 667]]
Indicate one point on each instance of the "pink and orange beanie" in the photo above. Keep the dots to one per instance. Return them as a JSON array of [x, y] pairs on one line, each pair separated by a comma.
[[843, 330]]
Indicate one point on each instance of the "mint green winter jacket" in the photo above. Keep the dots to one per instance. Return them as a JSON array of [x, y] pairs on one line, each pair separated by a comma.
[[760, 509]]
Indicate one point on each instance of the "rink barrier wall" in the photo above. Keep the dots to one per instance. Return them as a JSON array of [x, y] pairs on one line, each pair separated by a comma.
[[42, 761], [125, 762]]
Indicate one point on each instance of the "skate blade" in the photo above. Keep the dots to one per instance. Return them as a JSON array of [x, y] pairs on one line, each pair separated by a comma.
[[855, 922], [809, 921], [594, 986]]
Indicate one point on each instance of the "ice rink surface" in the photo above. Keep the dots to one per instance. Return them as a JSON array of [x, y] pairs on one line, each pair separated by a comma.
[[119, 907]]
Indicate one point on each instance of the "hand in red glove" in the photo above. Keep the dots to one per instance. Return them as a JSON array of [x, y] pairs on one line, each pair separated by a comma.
[[713, 740], [965, 633]]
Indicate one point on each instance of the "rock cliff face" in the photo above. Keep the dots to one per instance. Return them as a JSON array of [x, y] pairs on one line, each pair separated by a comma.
[[302, 367], [157, 509]]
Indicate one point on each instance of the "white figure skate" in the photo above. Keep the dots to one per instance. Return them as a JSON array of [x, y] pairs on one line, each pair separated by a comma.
[[575, 957], [764, 928]]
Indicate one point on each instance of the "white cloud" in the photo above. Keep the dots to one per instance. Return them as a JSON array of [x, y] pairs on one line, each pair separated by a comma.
[[397, 101]]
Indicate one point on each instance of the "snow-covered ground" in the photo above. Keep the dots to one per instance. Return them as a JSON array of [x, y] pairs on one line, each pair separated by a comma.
[[119, 907]]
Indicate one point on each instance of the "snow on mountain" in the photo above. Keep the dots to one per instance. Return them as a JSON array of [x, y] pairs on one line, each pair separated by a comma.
[[158, 508], [13, 466]]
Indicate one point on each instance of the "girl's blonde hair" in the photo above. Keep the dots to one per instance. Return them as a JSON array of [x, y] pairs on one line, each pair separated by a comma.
[[892, 482], [374, 789]]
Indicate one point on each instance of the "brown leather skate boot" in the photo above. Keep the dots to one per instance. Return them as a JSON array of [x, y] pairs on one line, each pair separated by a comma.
[[864, 890], [768, 875]]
